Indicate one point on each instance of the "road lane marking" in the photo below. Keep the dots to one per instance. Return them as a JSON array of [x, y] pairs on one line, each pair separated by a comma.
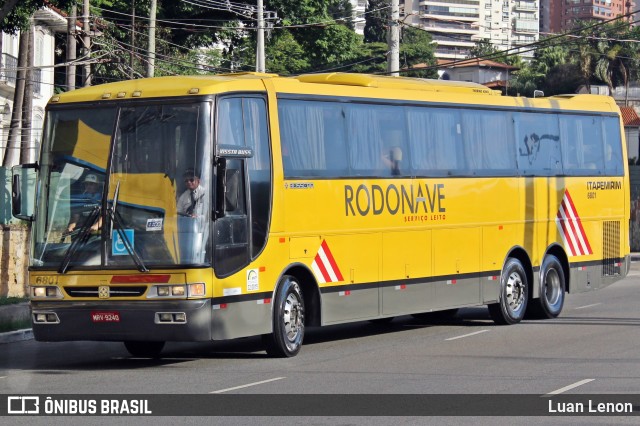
[[566, 388], [248, 385], [589, 306], [3, 377], [466, 335]]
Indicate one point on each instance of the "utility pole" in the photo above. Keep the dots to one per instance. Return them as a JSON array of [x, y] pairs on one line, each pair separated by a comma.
[[260, 48], [12, 152], [133, 38], [71, 48], [393, 63], [152, 39], [27, 149], [86, 40]]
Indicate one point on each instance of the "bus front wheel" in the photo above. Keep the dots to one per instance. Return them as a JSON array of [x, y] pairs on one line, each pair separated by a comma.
[[144, 349], [288, 320], [514, 293]]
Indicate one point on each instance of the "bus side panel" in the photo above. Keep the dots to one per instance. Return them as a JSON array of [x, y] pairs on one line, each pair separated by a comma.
[[456, 260], [240, 319], [357, 257], [407, 255], [497, 240]]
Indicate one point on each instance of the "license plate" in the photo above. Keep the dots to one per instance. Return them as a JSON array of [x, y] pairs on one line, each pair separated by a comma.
[[105, 316]]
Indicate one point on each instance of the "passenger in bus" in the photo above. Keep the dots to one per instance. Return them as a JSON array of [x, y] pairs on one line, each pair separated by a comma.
[[90, 198], [391, 160], [191, 201]]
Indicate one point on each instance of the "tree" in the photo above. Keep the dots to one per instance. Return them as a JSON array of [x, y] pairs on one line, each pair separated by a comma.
[[416, 47], [376, 21], [342, 11], [17, 18], [483, 49]]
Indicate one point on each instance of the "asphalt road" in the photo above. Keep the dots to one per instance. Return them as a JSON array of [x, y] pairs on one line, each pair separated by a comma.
[[592, 348]]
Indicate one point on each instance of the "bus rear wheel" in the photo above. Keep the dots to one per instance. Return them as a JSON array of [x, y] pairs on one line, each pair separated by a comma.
[[552, 289], [288, 320], [514, 293], [144, 349]]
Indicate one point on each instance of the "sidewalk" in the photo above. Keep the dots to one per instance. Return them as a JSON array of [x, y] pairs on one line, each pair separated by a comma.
[[11, 314], [20, 311]]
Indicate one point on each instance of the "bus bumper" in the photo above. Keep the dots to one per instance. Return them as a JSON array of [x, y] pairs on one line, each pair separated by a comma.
[[121, 321]]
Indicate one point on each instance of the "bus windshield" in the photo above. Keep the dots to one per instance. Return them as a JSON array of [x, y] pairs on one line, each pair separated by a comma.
[[125, 186]]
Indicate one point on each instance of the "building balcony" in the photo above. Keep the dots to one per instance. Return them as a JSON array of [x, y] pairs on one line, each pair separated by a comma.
[[8, 69], [426, 3], [442, 26], [523, 5]]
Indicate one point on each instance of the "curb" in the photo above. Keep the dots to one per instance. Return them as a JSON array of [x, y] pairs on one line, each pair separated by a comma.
[[12, 313], [16, 336]]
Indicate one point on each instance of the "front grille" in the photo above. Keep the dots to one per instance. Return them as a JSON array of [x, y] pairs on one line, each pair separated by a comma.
[[610, 248], [92, 291]]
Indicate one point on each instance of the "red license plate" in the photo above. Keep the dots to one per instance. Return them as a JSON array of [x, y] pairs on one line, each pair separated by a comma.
[[105, 316]]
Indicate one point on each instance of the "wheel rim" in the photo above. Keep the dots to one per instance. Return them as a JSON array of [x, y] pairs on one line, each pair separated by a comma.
[[515, 292], [552, 288], [293, 317]]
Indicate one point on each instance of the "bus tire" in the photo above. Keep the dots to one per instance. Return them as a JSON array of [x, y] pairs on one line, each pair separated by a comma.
[[288, 320], [514, 293], [552, 289], [144, 349]]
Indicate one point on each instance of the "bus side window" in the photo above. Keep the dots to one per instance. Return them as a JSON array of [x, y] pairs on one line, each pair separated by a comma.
[[613, 147]]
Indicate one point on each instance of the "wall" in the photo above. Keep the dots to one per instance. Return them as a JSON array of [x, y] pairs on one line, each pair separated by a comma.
[[14, 255], [634, 174], [14, 244]]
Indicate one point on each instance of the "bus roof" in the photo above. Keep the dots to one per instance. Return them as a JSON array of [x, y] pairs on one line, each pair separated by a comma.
[[175, 86]]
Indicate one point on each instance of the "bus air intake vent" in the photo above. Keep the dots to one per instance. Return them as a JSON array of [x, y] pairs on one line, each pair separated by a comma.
[[610, 248], [93, 291]]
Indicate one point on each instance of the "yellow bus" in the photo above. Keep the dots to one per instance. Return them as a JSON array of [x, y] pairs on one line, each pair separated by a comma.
[[319, 199]]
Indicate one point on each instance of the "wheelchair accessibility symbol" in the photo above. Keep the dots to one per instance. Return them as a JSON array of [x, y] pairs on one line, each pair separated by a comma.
[[118, 246]]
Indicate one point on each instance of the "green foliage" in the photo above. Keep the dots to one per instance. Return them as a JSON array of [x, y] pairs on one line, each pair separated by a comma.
[[15, 325], [416, 48], [12, 300], [527, 80], [483, 49], [376, 21], [342, 11], [372, 59]]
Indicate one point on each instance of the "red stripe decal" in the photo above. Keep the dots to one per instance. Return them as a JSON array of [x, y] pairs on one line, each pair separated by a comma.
[[323, 270], [128, 279], [584, 235], [332, 261]]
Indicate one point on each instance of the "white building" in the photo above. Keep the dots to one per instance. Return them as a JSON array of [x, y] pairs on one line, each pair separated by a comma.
[[47, 22], [359, 8], [456, 25]]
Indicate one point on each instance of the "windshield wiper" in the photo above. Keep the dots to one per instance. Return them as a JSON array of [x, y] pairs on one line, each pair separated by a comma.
[[115, 219], [81, 239]]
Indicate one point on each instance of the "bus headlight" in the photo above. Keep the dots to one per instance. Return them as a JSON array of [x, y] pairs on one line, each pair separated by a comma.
[[178, 290], [45, 292]]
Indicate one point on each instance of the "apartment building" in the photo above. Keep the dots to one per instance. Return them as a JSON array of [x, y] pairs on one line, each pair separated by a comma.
[[359, 8], [456, 25], [563, 14]]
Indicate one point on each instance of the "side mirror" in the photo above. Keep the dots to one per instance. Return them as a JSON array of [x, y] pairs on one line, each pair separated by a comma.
[[23, 184]]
